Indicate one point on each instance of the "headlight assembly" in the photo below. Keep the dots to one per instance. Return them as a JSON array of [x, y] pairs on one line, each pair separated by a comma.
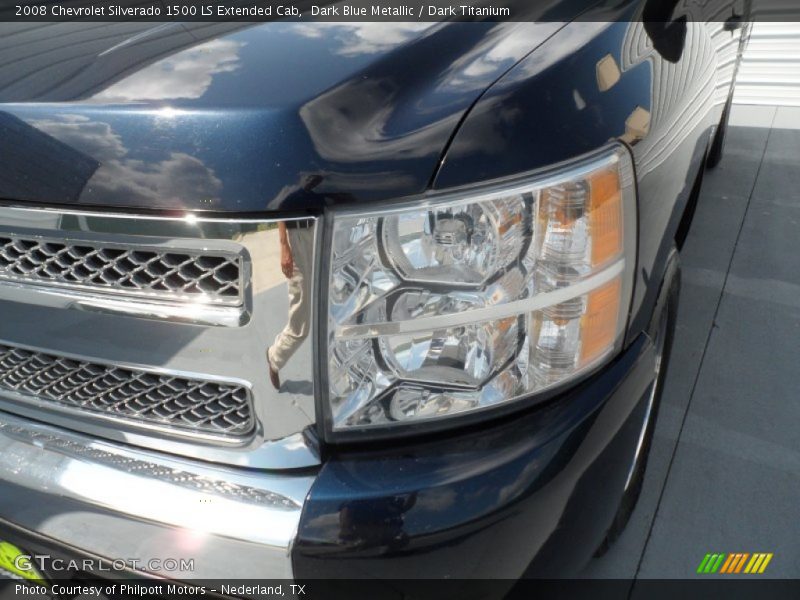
[[467, 300]]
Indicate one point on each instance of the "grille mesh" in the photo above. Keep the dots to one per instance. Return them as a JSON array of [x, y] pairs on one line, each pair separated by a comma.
[[202, 406], [121, 269]]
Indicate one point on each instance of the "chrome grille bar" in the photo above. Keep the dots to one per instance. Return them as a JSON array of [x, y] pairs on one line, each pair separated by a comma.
[[171, 274], [121, 392]]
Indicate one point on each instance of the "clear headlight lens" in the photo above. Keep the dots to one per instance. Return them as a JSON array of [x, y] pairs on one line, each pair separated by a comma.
[[465, 244], [475, 299]]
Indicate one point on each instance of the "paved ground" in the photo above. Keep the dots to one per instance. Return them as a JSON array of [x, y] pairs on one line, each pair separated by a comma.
[[724, 473]]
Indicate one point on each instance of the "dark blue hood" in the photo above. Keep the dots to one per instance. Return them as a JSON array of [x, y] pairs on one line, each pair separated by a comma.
[[241, 118]]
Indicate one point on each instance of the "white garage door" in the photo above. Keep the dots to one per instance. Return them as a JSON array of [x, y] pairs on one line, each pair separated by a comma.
[[770, 70]]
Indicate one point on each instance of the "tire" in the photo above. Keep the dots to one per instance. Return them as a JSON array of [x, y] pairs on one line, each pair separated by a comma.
[[718, 145], [662, 332]]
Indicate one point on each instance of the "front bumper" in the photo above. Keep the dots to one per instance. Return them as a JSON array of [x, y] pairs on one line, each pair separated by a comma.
[[533, 494], [175, 518]]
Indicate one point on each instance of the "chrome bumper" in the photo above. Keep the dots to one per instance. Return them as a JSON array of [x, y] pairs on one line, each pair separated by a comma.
[[126, 504]]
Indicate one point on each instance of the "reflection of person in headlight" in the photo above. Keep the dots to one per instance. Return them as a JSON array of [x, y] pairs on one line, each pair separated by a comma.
[[297, 244]]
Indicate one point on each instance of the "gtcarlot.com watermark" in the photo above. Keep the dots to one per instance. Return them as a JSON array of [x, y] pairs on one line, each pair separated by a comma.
[[47, 563]]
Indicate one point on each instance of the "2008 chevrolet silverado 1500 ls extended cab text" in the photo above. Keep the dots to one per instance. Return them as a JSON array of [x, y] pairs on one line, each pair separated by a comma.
[[384, 300]]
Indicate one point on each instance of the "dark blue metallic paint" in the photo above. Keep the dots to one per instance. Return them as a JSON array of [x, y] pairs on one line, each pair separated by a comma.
[[280, 117], [536, 490]]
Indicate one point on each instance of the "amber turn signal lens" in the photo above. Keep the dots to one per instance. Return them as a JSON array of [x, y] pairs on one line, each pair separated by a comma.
[[605, 217], [599, 322]]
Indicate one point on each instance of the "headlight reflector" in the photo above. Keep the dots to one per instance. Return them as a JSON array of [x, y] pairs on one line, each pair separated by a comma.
[[470, 300], [462, 244]]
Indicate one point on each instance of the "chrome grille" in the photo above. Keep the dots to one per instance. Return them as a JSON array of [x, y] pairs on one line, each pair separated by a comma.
[[166, 400], [156, 340], [171, 274]]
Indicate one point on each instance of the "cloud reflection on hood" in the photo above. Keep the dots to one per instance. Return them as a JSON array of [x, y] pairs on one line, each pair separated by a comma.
[[185, 75], [351, 39], [154, 183]]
